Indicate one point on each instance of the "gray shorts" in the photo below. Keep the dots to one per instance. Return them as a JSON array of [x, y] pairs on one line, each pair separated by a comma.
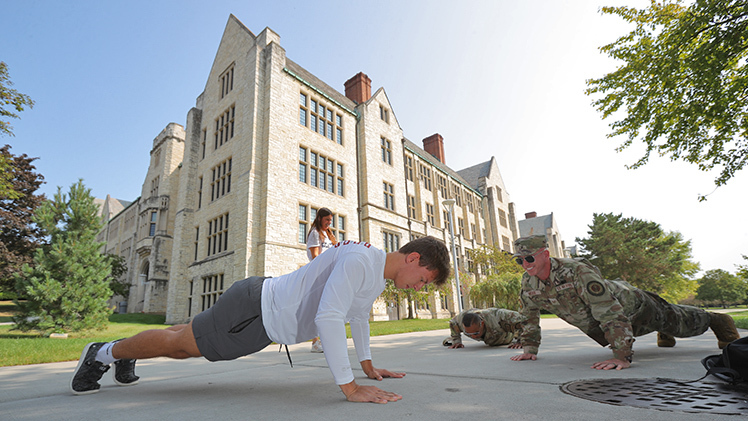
[[232, 327]]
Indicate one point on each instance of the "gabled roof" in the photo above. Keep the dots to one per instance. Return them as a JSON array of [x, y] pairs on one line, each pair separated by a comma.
[[473, 174]]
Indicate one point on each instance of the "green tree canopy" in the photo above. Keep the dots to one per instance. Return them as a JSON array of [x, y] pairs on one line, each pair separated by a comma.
[[19, 236], [641, 253], [721, 287], [683, 83], [67, 287], [9, 97], [500, 282]]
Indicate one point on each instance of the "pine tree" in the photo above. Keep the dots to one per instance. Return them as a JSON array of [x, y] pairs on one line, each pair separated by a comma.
[[67, 287], [19, 237]]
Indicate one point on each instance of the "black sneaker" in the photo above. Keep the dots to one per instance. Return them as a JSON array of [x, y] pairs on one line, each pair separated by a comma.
[[89, 371], [124, 373]]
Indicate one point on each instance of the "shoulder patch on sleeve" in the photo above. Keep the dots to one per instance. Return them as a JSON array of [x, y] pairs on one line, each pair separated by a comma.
[[595, 288]]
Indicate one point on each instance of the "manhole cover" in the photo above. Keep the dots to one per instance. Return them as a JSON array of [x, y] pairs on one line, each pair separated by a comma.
[[663, 394]]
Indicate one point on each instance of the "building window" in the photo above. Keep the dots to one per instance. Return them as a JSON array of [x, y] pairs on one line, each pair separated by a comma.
[[218, 234], [338, 227], [202, 145], [197, 240], [441, 184], [409, 168], [443, 301], [384, 114], [321, 172], [304, 222], [461, 226], [499, 195], [212, 290], [469, 260], [154, 187], [224, 127], [502, 219], [469, 201], [457, 194], [445, 214], [303, 110], [320, 118], [411, 207], [473, 232], [430, 216], [505, 242], [152, 227], [220, 183], [386, 151], [424, 174], [200, 192], [391, 241], [389, 196], [227, 81]]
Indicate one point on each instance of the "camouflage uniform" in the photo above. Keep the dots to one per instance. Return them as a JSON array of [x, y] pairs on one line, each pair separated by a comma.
[[501, 326], [610, 312]]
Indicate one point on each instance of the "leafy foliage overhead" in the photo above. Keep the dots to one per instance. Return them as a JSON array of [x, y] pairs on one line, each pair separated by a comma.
[[683, 83], [19, 236], [10, 97]]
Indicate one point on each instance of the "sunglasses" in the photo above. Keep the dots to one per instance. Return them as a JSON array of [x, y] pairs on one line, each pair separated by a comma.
[[528, 259], [471, 334]]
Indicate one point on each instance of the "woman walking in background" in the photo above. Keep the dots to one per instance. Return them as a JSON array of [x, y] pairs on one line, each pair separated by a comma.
[[319, 239]]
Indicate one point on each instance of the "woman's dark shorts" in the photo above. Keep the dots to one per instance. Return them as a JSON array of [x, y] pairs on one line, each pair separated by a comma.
[[232, 327]]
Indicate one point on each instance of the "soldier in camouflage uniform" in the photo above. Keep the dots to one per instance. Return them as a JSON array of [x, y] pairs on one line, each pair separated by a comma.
[[494, 326], [610, 312]]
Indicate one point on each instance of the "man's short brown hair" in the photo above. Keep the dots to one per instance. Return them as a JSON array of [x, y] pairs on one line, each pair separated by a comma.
[[434, 255]]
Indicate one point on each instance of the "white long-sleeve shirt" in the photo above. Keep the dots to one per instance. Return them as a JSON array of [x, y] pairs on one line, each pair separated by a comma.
[[338, 286]]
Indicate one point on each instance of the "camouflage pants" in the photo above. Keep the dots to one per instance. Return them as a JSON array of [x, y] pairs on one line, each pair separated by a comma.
[[657, 315]]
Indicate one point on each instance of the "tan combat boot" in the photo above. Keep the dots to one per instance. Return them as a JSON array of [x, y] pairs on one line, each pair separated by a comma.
[[665, 341], [724, 328]]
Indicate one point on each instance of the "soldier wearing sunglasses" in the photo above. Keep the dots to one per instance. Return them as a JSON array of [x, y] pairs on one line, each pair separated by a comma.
[[610, 312], [494, 326]]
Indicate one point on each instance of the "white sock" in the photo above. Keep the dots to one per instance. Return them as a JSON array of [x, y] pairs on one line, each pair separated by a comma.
[[104, 355]]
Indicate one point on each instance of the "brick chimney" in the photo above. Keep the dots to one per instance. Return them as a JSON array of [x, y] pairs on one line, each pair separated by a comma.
[[529, 215], [358, 88], [434, 145]]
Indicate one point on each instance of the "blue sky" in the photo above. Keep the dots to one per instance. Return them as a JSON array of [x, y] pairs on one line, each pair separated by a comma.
[[495, 78]]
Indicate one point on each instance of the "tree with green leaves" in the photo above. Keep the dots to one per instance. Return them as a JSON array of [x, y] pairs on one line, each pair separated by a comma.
[[721, 287], [499, 284], [9, 97], [641, 253], [67, 287], [682, 84], [19, 236]]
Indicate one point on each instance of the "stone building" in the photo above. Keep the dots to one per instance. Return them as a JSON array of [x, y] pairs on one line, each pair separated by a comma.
[[233, 193], [546, 225]]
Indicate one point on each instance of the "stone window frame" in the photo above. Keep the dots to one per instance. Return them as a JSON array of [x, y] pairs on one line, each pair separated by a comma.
[[386, 150], [226, 80], [213, 287], [220, 182], [224, 127], [311, 171], [218, 234], [389, 195], [320, 117]]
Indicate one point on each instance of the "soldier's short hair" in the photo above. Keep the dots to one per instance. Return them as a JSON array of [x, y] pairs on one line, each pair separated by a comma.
[[470, 319], [434, 256]]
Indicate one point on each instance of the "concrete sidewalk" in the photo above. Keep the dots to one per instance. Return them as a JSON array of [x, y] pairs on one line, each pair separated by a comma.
[[477, 382]]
